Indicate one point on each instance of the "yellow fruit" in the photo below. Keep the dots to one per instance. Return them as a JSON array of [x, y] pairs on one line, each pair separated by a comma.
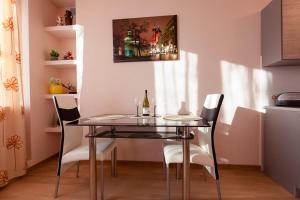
[[56, 89]]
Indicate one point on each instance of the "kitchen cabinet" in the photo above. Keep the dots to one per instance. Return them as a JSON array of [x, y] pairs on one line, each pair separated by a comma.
[[281, 147], [280, 33]]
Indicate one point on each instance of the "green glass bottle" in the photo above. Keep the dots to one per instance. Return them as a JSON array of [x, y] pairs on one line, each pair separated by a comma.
[[128, 42]]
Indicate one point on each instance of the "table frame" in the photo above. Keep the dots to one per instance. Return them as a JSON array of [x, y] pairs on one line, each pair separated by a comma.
[[93, 164]]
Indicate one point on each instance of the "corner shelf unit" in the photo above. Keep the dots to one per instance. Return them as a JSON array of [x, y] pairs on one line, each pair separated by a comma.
[[61, 63], [50, 96], [69, 31], [73, 33]]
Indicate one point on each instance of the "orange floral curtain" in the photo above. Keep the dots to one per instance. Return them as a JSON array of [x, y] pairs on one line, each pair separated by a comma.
[[12, 125]]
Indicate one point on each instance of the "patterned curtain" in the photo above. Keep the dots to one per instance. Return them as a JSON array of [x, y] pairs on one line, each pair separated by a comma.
[[12, 125]]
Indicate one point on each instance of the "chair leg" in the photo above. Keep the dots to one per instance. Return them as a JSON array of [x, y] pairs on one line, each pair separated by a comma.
[[164, 165], [57, 186], [168, 181], [114, 162], [77, 172], [218, 189], [178, 171], [205, 173], [102, 179]]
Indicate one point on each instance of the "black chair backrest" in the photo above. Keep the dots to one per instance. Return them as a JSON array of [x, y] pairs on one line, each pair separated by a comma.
[[71, 136], [66, 108], [210, 112]]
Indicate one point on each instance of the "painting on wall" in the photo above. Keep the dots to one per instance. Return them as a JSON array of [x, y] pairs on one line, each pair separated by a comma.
[[145, 39]]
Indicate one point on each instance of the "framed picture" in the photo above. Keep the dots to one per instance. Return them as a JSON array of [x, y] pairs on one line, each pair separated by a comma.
[[145, 39]]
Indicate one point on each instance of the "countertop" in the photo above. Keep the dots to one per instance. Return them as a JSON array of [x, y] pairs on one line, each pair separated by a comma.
[[283, 108]]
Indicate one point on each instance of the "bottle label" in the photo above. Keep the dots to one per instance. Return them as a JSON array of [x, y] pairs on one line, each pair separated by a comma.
[[146, 111]]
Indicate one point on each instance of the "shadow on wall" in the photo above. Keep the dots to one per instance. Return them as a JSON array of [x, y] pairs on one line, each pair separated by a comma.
[[245, 92], [243, 86], [233, 70], [239, 136]]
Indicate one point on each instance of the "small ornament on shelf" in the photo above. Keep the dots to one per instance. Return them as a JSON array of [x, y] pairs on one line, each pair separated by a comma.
[[54, 54], [68, 18], [71, 89], [68, 55], [55, 86], [60, 21]]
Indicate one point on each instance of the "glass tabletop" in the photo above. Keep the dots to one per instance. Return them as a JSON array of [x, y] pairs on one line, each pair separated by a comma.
[[130, 120]]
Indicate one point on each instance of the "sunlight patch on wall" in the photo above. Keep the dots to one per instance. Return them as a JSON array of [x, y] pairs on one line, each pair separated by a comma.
[[260, 88], [244, 87], [192, 82], [176, 82], [235, 82], [79, 57]]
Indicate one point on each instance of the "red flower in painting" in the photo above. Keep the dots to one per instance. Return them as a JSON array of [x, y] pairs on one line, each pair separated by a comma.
[[13, 1], [8, 24], [12, 84]]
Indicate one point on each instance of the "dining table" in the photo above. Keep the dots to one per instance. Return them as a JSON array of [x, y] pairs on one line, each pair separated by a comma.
[[140, 127]]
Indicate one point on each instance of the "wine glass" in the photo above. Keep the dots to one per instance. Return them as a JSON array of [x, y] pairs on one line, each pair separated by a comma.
[[137, 104], [153, 102]]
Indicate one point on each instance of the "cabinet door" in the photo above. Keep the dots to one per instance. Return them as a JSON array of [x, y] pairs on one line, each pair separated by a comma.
[[290, 29], [282, 147]]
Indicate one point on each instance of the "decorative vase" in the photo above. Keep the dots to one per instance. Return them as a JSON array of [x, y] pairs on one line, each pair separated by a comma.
[[53, 58], [68, 18], [56, 89]]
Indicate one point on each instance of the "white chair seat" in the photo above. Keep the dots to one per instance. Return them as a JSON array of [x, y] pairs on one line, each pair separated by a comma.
[[82, 152], [169, 142], [174, 154]]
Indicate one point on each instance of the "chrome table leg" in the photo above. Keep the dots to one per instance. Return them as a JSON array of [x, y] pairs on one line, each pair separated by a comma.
[[178, 165], [102, 179], [93, 165], [186, 165]]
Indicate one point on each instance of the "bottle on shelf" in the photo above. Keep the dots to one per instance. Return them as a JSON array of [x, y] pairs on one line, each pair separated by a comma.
[[146, 106]]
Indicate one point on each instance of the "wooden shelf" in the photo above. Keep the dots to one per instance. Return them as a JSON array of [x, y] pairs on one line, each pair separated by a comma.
[[55, 129], [61, 63], [63, 31], [50, 96]]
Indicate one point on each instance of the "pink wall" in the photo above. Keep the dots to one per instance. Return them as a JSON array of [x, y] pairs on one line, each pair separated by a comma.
[[220, 52], [42, 145]]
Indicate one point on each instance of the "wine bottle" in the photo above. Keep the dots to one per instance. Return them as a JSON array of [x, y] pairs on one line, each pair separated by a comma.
[[146, 109]]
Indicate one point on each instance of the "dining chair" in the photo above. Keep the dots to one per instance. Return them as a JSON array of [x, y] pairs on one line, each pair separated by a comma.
[[202, 153], [73, 148]]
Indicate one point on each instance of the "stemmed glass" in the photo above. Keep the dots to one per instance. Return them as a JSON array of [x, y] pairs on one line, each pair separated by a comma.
[[137, 104], [153, 102]]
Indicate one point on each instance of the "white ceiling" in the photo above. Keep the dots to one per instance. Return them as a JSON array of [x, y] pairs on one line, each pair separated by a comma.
[[64, 3]]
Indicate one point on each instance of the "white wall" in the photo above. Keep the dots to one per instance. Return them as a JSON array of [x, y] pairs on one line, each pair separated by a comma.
[[219, 45]]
